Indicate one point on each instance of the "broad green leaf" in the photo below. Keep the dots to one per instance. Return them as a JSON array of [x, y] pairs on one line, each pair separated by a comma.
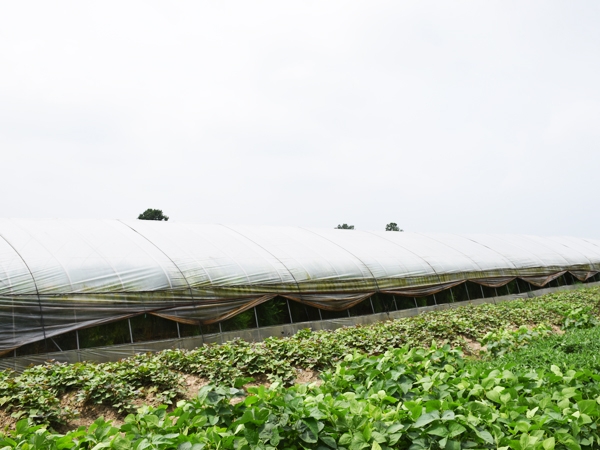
[[515, 445], [588, 407], [568, 441], [311, 433], [367, 433], [121, 443], [569, 392], [267, 430], [448, 415], [345, 439], [455, 429], [522, 426], [485, 435], [527, 441], [415, 409], [378, 437], [102, 445], [438, 430], [493, 396], [450, 369], [426, 419], [329, 441], [358, 442], [185, 446], [452, 445], [532, 412], [395, 428]]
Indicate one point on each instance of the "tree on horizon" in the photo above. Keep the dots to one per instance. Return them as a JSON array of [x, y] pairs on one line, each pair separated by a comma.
[[153, 214], [392, 226]]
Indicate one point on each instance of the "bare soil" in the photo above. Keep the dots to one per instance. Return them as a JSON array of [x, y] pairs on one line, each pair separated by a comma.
[[87, 413], [308, 376], [473, 347], [6, 421]]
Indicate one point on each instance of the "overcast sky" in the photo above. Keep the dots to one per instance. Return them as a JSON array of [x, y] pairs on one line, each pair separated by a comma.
[[441, 116]]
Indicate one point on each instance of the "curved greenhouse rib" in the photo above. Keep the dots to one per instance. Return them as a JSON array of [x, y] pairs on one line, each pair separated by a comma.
[[490, 249], [275, 257], [41, 244], [350, 253], [454, 249], [154, 259], [165, 272], [409, 251], [37, 293]]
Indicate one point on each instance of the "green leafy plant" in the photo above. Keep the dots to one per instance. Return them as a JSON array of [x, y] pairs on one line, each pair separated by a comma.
[[580, 317], [406, 398], [499, 342]]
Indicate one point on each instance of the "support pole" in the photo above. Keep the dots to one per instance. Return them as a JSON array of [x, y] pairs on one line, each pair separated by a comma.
[[256, 317], [130, 332], [289, 310]]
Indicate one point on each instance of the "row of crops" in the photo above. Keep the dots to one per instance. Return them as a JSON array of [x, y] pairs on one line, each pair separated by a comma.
[[398, 384]]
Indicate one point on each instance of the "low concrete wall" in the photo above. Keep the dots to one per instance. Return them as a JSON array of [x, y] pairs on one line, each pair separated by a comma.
[[116, 352]]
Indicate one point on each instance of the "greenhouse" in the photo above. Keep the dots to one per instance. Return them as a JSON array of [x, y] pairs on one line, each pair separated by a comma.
[[71, 284]]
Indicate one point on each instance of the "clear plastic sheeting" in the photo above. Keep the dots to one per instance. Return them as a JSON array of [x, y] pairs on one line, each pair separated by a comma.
[[58, 276]]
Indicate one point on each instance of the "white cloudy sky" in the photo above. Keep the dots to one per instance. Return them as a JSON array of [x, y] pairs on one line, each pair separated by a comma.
[[461, 116]]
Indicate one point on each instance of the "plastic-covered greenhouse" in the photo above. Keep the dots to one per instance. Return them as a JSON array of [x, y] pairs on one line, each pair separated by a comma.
[[72, 283]]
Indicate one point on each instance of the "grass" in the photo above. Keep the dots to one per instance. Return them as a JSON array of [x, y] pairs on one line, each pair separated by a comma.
[[577, 349]]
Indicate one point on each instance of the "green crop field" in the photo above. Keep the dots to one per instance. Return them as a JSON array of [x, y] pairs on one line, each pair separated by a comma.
[[417, 383]]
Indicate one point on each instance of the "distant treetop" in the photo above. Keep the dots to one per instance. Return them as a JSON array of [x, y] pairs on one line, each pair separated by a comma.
[[392, 226], [345, 226], [153, 214]]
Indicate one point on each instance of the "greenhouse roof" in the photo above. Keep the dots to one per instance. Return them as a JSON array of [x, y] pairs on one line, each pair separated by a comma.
[[61, 275]]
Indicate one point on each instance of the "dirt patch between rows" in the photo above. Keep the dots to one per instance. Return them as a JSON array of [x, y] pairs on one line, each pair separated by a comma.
[[89, 412], [473, 347]]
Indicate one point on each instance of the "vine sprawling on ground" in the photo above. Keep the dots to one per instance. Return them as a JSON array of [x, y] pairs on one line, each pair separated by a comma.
[[35, 394]]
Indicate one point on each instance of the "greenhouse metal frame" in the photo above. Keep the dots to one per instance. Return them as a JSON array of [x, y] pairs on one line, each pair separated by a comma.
[[68, 284]]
